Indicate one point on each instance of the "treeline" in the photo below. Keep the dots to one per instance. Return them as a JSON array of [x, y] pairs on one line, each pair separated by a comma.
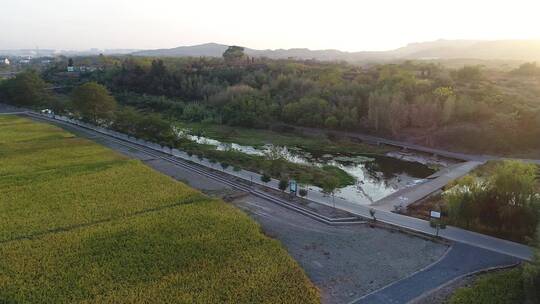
[[92, 102], [425, 101], [440, 105]]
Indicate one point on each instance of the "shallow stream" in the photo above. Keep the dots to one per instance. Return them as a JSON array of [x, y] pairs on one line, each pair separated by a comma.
[[376, 176]]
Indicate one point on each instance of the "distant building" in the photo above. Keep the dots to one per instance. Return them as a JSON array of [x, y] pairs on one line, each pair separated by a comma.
[[6, 61], [70, 69]]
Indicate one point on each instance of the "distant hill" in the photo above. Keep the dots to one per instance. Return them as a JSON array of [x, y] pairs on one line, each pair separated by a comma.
[[205, 50], [526, 50]]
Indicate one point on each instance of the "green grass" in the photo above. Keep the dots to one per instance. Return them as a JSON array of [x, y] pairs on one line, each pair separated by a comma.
[[278, 169], [316, 145], [82, 224], [505, 287]]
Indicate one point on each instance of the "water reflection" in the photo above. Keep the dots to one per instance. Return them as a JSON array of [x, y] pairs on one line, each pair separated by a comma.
[[376, 176]]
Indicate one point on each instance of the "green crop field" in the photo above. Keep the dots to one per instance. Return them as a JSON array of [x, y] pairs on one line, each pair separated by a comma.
[[82, 224]]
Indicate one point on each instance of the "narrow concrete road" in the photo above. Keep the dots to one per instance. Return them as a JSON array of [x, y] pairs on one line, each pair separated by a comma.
[[407, 196], [461, 260]]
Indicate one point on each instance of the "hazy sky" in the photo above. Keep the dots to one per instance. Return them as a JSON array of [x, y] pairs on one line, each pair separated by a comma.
[[346, 25]]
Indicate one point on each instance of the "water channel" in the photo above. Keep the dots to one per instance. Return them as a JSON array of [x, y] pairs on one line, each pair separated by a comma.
[[376, 176]]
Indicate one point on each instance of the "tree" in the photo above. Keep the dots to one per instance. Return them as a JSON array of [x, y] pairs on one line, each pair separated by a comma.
[[94, 102], [527, 69], [505, 203], [126, 121], [448, 109], [26, 89], [234, 54], [329, 185], [331, 122], [469, 74], [463, 199], [283, 184], [531, 273], [265, 178]]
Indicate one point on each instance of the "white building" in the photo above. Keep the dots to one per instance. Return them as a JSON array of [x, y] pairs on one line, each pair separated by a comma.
[[6, 61]]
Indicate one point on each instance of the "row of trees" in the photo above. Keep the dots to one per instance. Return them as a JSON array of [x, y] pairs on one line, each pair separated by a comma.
[[91, 102], [439, 106], [442, 105]]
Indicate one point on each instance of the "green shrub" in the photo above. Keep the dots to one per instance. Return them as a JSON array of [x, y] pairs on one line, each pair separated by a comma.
[[265, 178], [283, 184], [505, 287]]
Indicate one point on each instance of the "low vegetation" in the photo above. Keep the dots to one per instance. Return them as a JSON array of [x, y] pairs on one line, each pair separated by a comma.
[[501, 199], [79, 223], [282, 135], [505, 287]]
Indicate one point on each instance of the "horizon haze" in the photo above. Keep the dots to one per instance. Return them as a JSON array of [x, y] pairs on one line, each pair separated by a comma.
[[343, 25]]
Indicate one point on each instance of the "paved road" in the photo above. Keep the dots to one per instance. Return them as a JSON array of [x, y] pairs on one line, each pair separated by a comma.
[[461, 260]]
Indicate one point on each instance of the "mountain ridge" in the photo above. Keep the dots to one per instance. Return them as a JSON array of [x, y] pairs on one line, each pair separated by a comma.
[[525, 50]]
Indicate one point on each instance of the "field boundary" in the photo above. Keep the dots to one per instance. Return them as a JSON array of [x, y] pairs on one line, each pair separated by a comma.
[[192, 200]]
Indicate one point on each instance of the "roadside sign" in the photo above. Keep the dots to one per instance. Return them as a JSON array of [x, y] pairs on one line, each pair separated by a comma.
[[293, 186], [435, 214]]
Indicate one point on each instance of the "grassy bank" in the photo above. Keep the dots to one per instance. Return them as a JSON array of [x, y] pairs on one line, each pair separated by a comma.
[[281, 168], [80, 223], [317, 145]]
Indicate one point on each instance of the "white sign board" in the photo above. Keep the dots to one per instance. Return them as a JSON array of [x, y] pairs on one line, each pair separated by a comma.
[[435, 214]]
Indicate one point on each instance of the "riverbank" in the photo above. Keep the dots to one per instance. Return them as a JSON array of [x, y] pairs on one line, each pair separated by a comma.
[[375, 174], [327, 143], [276, 168]]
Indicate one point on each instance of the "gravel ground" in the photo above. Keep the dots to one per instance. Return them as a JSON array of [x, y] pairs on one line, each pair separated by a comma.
[[344, 262]]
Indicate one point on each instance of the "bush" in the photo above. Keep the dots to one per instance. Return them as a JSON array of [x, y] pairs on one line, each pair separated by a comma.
[[503, 203], [265, 178], [224, 165], [283, 184], [531, 273], [504, 287], [302, 192]]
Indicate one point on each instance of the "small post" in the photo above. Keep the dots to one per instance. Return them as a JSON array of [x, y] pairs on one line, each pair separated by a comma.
[[436, 222]]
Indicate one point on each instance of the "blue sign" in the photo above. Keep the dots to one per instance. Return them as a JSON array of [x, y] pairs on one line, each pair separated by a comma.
[[293, 186]]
